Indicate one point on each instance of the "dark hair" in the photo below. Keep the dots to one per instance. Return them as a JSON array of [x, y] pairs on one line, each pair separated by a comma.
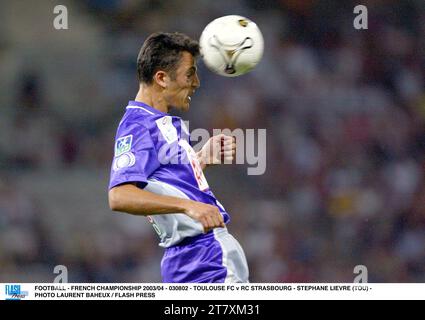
[[162, 51]]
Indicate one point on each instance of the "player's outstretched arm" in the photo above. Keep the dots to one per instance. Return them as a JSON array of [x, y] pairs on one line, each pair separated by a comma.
[[218, 149], [131, 199]]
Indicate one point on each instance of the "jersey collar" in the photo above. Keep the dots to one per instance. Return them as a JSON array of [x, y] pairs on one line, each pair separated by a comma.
[[145, 107]]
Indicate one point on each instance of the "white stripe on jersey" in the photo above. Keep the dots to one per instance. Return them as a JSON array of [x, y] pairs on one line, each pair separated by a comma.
[[174, 227]]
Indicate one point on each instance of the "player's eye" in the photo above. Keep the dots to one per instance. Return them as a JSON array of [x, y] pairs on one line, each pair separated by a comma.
[[191, 72], [189, 76]]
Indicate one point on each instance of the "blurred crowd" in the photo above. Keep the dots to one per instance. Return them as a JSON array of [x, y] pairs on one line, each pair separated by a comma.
[[344, 111]]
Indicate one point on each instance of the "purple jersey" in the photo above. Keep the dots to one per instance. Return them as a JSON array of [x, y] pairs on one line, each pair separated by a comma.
[[153, 150]]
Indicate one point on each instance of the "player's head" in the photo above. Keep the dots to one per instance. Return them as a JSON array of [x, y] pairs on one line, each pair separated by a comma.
[[168, 61]]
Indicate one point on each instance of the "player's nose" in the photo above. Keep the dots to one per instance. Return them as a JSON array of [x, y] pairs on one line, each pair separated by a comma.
[[196, 82]]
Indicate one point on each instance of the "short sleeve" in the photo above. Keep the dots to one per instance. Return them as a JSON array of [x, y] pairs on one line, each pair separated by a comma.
[[135, 156]]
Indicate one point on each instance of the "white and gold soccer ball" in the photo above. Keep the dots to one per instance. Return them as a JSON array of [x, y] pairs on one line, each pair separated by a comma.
[[231, 45]]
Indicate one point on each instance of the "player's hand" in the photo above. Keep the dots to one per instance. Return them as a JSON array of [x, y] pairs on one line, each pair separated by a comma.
[[218, 149], [209, 216]]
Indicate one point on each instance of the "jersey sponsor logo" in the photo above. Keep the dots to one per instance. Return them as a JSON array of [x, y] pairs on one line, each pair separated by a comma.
[[123, 145], [196, 166], [169, 132], [123, 161]]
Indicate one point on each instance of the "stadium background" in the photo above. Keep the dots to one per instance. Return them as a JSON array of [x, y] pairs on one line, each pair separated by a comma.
[[344, 111]]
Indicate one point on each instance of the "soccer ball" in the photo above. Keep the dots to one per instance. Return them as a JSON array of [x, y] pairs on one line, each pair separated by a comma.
[[231, 45]]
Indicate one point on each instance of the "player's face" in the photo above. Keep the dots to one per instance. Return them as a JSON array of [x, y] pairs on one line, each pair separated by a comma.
[[180, 89]]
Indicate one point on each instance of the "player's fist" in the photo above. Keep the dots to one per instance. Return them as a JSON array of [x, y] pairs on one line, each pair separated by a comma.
[[209, 216], [218, 149]]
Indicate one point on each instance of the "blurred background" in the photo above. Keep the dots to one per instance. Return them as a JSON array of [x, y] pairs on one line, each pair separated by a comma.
[[344, 111]]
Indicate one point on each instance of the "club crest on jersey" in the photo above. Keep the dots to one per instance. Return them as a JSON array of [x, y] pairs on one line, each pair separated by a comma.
[[123, 145]]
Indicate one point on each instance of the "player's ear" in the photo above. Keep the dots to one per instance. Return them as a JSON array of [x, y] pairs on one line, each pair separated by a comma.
[[161, 78]]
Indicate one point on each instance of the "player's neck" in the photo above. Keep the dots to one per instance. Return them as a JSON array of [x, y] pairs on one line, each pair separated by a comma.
[[149, 96]]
